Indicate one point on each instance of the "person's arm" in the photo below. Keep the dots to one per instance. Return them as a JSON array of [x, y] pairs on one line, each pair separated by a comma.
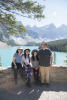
[[39, 54], [31, 61], [22, 62], [15, 66]]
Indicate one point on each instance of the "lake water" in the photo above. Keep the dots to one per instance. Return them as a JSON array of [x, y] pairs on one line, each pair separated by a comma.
[[6, 56]]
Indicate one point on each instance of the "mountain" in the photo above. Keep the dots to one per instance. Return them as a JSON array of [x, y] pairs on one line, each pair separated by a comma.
[[35, 34], [50, 31]]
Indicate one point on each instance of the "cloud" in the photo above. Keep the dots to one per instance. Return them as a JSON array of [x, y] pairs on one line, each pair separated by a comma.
[[19, 40], [26, 39], [54, 14]]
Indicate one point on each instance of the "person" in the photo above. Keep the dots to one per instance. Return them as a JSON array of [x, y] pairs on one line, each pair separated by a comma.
[[35, 64], [27, 66], [16, 64], [45, 62], [26, 57]]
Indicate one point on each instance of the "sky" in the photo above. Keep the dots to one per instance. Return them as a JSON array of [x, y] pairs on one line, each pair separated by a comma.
[[55, 12]]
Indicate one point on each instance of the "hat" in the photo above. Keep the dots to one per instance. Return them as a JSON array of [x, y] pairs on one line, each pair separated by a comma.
[[27, 49], [35, 50], [43, 43], [21, 48]]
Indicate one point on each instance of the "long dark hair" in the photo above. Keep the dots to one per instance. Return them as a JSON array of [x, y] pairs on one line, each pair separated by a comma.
[[33, 58], [17, 51], [25, 55]]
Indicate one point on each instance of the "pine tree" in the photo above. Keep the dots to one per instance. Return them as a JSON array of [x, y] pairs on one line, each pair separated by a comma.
[[26, 8]]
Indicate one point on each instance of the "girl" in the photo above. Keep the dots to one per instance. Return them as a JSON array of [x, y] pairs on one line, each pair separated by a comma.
[[35, 64], [26, 65]]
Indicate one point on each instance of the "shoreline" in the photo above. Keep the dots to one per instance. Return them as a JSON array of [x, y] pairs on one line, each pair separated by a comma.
[[8, 67], [4, 45], [4, 68]]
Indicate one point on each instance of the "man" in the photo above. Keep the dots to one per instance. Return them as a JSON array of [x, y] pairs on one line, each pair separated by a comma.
[[45, 62]]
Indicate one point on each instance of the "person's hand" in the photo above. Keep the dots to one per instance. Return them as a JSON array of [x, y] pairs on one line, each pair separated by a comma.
[[26, 67], [50, 65], [15, 66], [36, 68]]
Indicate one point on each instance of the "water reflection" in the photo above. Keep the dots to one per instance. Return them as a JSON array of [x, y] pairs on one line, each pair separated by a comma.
[[65, 61], [0, 62], [54, 58]]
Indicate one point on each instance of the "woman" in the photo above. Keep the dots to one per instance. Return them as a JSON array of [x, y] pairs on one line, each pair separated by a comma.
[[26, 65], [35, 64], [26, 57], [17, 66]]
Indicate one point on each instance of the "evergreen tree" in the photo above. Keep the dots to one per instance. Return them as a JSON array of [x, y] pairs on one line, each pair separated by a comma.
[[26, 8]]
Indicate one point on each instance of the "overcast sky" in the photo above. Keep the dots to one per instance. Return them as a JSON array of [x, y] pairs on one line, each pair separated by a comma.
[[55, 12]]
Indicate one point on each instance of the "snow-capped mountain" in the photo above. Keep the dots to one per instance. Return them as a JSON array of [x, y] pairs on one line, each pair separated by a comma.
[[35, 34], [50, 31]]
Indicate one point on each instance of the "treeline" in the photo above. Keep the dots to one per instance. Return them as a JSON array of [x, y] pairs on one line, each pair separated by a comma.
[[58, 45]]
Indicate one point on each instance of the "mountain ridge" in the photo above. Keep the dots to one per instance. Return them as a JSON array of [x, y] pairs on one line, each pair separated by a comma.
[[35, 34]]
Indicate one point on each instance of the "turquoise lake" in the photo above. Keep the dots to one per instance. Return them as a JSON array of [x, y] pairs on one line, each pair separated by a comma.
[[6, 56]]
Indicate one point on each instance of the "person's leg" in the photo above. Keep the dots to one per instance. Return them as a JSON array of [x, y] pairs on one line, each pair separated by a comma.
[[15, 75], [34, 73], [42, 73], [28, 75], [20, 70], [37, 74], [47, 75]]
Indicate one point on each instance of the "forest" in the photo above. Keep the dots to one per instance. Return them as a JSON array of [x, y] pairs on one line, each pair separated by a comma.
[[58, 45]]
